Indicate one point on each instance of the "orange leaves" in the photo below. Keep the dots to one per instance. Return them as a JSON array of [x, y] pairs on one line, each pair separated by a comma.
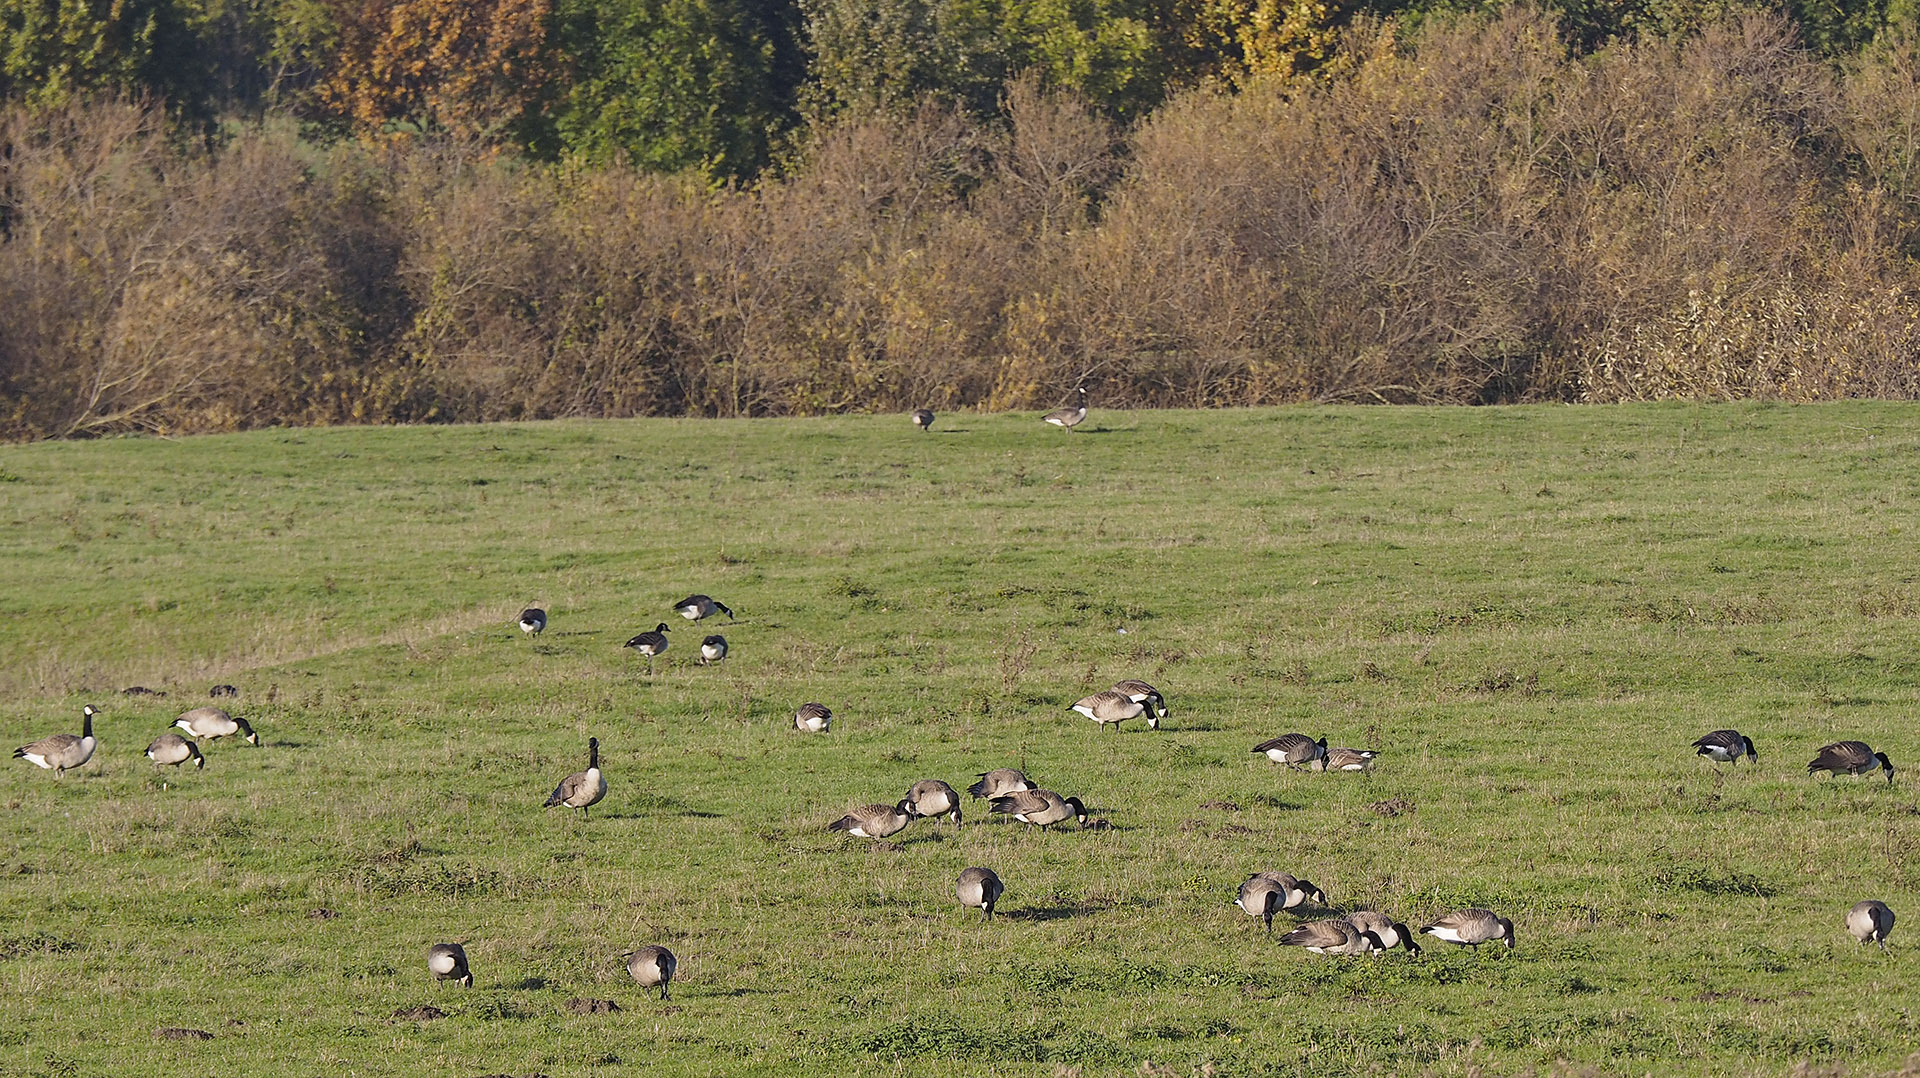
[[470, 68]]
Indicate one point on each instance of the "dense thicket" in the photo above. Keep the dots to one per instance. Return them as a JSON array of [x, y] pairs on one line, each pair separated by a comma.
[[1477, 210]]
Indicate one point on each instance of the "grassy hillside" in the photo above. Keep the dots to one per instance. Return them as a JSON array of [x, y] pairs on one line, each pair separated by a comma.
[[1532, 612]]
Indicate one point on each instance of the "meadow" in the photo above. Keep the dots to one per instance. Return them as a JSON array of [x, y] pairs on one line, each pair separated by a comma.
[[1530, 611]]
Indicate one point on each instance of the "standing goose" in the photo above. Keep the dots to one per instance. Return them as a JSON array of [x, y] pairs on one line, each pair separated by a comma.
[[813, 718], [60, 752], [1345, 759], [1000, 782], [695, 607], [1262, 896], [1069, 417], [174, 750], [212, 723], [931, 797], [1141, 692], [1333, 936], [1726, 747], [1041, 808], [650, 966], [923, 418], [1851, 758], [448, 962], [979, 887], [583, 789], [650, 644], [713, 649], [1293, 750], [1471, 928], [1111, 708], [1870, 920], [874, 821], [533, 621], [1388, 931]]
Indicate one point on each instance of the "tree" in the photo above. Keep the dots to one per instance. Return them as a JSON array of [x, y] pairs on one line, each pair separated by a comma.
[[55, 51], [469, 68]]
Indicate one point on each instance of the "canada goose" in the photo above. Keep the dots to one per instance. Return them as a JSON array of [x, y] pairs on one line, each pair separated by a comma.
[[1726, 747], [650, 966], [1851, 758], [533, 621], [1293, 750], [1388, 931], [1000, 782], [874, 821], [448, 962], [650, 644], [1471, 928], [1870, 920], [713, 649], [212, 723], [931, 797], [583, 789], [172, 749], [1069, 417], [1111, 708], [923, 418], [813, 718], [979, 887], [1042, 808], [1264, 894], [58, 752], [1146, 694], [695, 607], [1334, 936], [1344, 759]]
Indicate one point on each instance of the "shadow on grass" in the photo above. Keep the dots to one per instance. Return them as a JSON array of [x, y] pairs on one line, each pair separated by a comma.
[[1046, 913]]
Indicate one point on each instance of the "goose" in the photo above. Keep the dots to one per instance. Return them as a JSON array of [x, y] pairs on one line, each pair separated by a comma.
[[174, 750], [1870, 920], [1471, 928], [583, 789], [650, 644], [1141, 692], [874, 821], [1344, 759], [533, 621], [1111, 708], [212, 723], [1261, 896], [813, 718], [650, 966], [931, 797], [1851, 758], [1069, 417], [1000, 782], [1293, 750], [1726, 747], [448, 962], [713, 649], [923, 418], [59, 752], [1041, 808], [1334, 936], [1388, 931], [979, 887], [695, 607]]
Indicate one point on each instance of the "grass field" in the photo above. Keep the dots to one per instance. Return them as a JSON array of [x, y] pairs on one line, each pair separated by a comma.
[[1531, 611]]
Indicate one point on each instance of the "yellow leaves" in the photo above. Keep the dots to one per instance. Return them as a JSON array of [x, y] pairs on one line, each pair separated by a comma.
[[469, 69]]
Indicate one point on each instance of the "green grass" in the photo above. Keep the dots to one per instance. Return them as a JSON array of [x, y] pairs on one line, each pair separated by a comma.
[[1531, 611]]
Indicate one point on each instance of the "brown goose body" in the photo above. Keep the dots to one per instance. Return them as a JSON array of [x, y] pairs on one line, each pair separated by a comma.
[[695, 607], [1344, 759], [931, 797], [1388, 931], [533, 621], [1111, 708], [650, 966], [923, 418], [60, 753], [583, 789], [1334, 936], [213, 723], [1725, 747], [813, 719], [979, 887], [1135, 689], [1870, 921], [875, 821], [1851, 758], [174, 750], [1471, 928], [1000, 782], [1069, 417], [1293, 749], [448, 962], [1041, 808]]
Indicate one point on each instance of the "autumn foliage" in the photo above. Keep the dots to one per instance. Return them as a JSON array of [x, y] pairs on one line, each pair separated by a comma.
[[467, 68]]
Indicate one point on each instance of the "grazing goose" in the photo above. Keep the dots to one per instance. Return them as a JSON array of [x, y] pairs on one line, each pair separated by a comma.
[[1344, 759], [1388, 931], [174, 750], [1726, 747], [1471, 928], [1293, 891], [1870, 920], [923, 418], [1141, 692], [1262, 896], [931, 797], [1293, 750], [650, 644], [1851, 758], [650, 966], [813, 718], [212, 723], [713, 649], [979, 887], [1333, 936], [533, 621], [58, 752], [695, 607], [875, 821], [1111, 708], [1000, 782], [448, 962], [583, 789], [1069, 417], [1041, 808]]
